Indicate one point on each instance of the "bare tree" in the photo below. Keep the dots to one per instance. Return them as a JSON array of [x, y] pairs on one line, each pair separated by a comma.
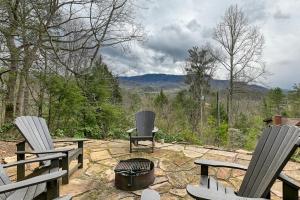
[[62, 29], [240, 51]]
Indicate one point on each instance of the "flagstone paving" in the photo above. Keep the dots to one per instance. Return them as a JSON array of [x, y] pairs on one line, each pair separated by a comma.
[[174, 169]]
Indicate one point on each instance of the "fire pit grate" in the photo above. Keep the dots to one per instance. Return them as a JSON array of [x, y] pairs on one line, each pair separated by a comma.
[[133, 166], [134, 174]]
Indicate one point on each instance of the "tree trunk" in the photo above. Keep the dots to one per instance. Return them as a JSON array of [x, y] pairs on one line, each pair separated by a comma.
[[201, 107], [10, 97], [12, 79], [230, 96], [20, 97], [218, 111], [26, 109]]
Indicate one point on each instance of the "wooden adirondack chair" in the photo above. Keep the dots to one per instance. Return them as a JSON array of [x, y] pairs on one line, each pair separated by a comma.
[[275, 147], [144, 129], [149, 194], [36, 133], [45, 186]]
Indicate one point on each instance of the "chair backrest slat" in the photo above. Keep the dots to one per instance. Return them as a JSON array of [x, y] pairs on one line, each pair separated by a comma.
[[35, 131], [25, 129], [274, 149], [145, 123], [4, 180], [42, 126]]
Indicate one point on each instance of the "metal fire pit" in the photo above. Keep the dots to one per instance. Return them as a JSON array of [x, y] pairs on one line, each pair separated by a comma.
[[134, 174]]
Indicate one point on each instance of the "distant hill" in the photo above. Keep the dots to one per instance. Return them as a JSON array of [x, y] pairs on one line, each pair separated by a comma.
[[155, 82]]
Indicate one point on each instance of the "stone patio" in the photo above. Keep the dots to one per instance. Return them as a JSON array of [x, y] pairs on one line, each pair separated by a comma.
[[174, 169]]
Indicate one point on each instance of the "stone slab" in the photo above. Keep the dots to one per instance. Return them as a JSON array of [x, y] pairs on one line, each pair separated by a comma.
[[174, 147], [192, 154], [100, 155]]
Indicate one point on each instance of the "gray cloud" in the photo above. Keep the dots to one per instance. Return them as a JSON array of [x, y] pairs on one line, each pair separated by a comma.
[[173, 28], [256, 10], [280, 15], [194, 25], [171, 40]]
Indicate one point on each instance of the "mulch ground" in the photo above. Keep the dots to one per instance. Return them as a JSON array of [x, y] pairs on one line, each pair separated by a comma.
[[7, 149]]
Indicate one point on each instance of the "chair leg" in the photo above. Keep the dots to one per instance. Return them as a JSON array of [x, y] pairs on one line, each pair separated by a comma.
[[21, 167], [80, 156], [289, 192], [52, 189], [130, 146], [204, 170], [53, 186], [268, 195], [65, 166], [152, 145]]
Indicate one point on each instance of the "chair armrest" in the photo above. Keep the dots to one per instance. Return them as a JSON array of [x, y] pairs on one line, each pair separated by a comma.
[[289, 181], [155, 129], [39, 159], [214, 163], [45, 152], [131, 130], [199, 192], [32, 181], [70, 140]]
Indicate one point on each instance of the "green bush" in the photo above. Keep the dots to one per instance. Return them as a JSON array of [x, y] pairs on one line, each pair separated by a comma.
[[250, 129], [8, 132], [184, 136], [190, 137]]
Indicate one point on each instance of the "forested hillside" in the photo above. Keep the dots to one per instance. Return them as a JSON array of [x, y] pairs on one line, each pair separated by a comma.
[[170, 82]]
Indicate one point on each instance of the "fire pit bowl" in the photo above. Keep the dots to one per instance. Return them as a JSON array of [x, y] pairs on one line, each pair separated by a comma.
[[134, 174]]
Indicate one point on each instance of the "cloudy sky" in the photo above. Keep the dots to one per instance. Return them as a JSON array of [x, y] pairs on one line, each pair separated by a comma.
[[174, 26]]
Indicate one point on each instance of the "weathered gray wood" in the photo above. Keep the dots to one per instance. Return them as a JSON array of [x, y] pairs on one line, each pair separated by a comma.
[[144, 123], [204, 180], [214, 163], [37, 134], [42, 127], [65, 166], [73, 154], [3, 181], [19, 194], [202, 193], [274, 149], [38, 159], [30, 193], [33, 181], [70, 140], [46, 132], [35, 131], [48, 152], [145, 129], [255, 159], [287, 180], [149, 194], [20, 168], [80, 156], [27, 190], [270, 156]]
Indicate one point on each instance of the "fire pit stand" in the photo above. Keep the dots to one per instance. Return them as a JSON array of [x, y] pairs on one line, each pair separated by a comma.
[[134, 174]]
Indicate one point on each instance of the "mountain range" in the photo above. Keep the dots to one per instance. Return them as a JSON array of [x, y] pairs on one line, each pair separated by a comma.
[[170, 82]]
